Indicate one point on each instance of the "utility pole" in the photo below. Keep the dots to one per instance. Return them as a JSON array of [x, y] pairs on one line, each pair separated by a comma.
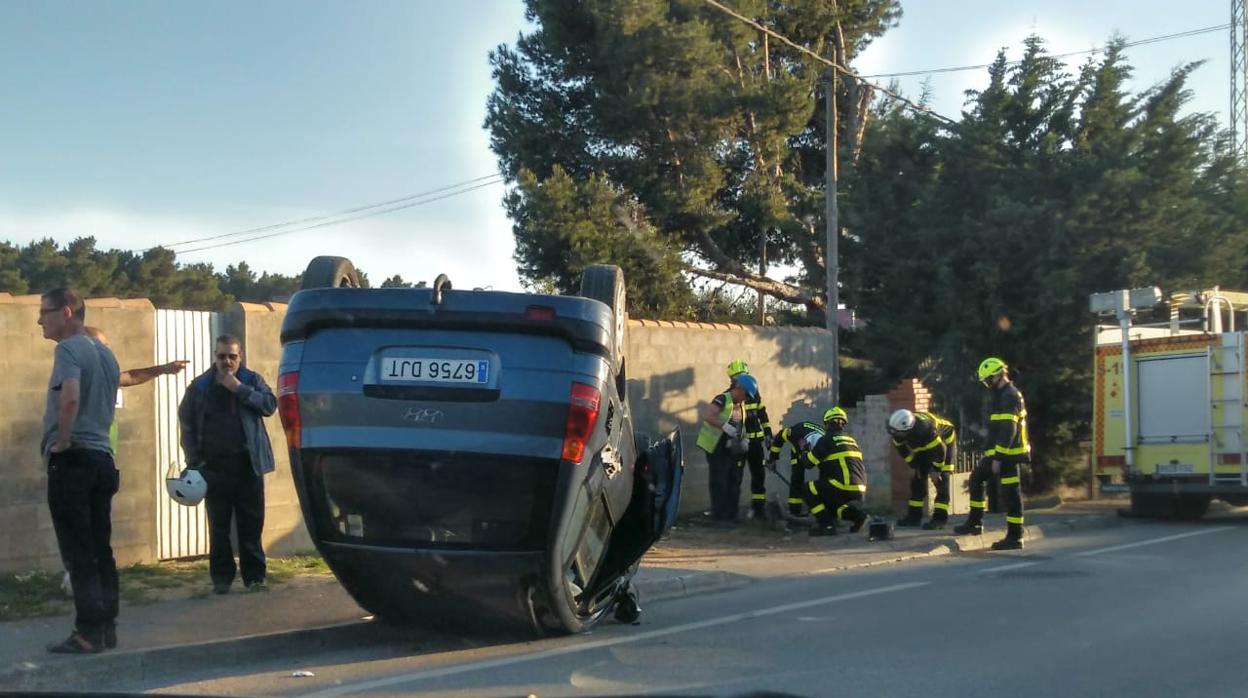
[[832, 233], [1239, 80]]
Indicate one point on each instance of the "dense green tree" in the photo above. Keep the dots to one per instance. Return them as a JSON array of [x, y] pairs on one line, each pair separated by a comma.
[[987, 237], [694, 125]]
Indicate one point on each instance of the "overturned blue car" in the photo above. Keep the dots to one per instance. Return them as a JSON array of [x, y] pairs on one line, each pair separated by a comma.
[[466, 457]]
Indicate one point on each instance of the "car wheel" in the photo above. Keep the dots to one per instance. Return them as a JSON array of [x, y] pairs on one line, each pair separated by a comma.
[[330, 272], [1192, 507], [1159, 505], [605, 282]]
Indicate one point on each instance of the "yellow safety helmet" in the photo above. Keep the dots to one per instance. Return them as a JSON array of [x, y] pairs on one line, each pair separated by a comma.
[[737, 367], [835, 414], [990, 367]]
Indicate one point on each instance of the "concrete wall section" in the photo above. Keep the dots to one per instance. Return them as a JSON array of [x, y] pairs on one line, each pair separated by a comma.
[[26, 537], [676, 368]]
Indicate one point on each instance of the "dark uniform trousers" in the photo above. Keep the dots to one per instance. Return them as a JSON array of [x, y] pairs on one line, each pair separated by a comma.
[[81, 485], [235, 495]]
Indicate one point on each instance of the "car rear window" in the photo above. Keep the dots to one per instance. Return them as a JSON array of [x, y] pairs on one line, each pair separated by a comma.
[[430, 500]]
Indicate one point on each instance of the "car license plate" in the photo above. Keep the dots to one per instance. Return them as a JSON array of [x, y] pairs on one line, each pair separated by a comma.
[[1175, 468], [422, 370]]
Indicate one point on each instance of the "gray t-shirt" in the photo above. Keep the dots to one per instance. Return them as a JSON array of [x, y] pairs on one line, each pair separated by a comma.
[[95, 367]]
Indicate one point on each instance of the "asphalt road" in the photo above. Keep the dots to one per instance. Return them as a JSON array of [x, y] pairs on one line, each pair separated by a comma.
[[1146, 609]]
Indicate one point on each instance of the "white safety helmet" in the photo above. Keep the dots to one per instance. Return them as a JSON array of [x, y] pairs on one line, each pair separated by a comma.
[[901, 421], [188, 489]]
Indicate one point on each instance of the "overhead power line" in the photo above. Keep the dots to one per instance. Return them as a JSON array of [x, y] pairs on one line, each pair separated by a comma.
[[1101, 49], [493, 179], [831, 63]]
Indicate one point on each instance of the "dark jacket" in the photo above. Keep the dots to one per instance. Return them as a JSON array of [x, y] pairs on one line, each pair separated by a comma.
[[1007, 426], [800, 437], [257, 401], [840, 461], [931, 442]]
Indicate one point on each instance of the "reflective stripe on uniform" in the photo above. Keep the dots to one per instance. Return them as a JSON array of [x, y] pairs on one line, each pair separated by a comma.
[[1013, 480], [941, 507], [795, 500], [929, 445], [840, 509], [1004, 416], [943, 467], [915, 503], [758, 497], [1014, 520], [982, 504], [816, 509], [847, 488], [813, 489]]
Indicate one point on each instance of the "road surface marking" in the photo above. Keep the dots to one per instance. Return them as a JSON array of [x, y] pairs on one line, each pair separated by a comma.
[[1154, 541], [361, 686], [1003, 568]]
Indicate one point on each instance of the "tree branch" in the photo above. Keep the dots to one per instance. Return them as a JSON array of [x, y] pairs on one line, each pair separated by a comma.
[[776, 289]]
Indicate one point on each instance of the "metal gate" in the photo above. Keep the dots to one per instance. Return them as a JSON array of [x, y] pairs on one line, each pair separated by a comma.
[[180, 334]]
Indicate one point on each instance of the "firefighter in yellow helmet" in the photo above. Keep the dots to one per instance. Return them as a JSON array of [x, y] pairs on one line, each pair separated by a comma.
[[840, 489], [801, 438], [758, 431], [1008, 450], [929, 445]]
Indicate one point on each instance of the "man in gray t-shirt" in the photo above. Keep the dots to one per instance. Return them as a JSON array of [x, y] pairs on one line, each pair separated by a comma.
[[92, 364], [82, 478]]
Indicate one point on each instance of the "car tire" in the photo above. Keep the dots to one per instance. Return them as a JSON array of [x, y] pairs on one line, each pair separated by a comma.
[[1153, 505], [605, 283], [330, 272], [1192, 507]]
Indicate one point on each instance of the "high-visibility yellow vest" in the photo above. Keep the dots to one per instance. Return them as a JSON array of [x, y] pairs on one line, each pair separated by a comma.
[[708, 437]]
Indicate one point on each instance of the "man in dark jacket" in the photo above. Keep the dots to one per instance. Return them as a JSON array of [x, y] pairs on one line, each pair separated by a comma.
[[223, 436]]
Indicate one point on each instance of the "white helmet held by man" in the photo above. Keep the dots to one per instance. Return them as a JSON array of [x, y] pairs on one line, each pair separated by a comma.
[[901, 421], [188, 489]]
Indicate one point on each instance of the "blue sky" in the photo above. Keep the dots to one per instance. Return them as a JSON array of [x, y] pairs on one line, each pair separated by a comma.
[[145, 123]]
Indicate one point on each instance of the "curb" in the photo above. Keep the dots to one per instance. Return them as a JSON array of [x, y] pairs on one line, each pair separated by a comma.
[[94, 671], [1049, 529], [964, 544]]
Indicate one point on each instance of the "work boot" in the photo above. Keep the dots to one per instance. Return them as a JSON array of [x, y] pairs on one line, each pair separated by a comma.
[[914, 517], [1008, 543], [758, 510], [939, 520], [974, 525], [795, 509], [1013, 538], [860, 520], [820, 530]]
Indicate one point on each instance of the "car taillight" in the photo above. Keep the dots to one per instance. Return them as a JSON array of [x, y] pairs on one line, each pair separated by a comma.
[[582, 415], [288, 406], [539, 312]]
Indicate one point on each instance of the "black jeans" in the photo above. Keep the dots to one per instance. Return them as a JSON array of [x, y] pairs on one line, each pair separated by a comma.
[[235, 494], [81, 485], [726, 472]]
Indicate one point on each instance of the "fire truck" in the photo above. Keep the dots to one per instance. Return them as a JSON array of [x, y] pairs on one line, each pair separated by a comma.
[[1169, 401]]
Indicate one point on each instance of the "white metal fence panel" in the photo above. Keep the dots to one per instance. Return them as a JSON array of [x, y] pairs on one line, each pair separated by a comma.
[[180, 334]]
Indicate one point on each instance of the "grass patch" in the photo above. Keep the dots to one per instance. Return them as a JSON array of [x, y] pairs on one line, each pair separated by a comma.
[[32, 594], [284, 568], [38, 593]]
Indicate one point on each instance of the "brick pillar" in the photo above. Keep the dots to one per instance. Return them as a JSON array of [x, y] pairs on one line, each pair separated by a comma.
[[912, 395]]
